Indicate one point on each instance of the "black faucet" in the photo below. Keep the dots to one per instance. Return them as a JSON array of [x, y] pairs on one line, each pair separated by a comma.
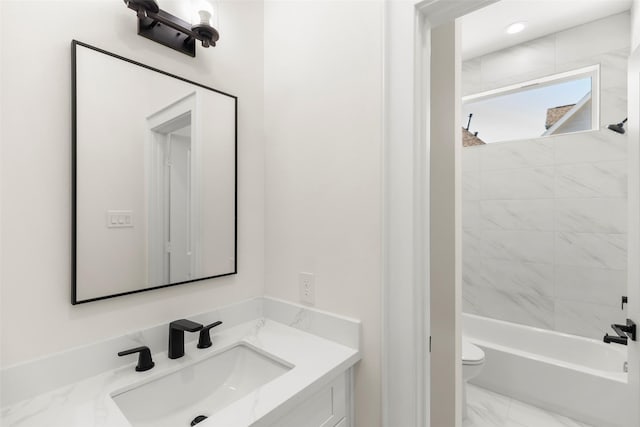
[[176, 336]]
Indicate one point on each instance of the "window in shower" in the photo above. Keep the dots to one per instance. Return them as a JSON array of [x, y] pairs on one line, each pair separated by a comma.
[[558, 104]]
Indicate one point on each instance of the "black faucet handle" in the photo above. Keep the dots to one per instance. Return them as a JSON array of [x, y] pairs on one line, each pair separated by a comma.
[[205, 338], [627, 330], [145, 362], [185, 325]]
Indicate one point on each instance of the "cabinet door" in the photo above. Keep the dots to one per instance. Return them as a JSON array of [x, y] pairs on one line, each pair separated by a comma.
[[324, 409]]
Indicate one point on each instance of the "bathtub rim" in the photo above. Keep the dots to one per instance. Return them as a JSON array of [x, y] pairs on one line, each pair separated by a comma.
[[621, 377]]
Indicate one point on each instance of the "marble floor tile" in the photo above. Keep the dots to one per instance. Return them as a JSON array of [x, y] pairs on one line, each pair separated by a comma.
[[485, 408], [530, 416], [488, 409]]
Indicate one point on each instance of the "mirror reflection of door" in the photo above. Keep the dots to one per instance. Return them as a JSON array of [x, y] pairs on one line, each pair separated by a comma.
[[178, 205], [172, 237]]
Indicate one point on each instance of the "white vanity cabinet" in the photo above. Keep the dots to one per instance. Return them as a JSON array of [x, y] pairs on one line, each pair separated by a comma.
[[329, 407]]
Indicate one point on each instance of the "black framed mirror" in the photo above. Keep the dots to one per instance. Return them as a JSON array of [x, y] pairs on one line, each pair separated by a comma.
[[154, 178]]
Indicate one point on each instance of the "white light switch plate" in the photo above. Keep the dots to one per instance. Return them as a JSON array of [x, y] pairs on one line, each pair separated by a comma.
[[119, 219]]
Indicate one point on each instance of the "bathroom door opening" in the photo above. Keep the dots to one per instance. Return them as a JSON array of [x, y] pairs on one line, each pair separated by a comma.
[[401, 301], [421, 328], [179, 195], [171, 260], [171, 181], [550, 231]]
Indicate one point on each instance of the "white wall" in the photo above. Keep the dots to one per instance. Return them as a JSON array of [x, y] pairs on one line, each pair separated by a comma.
[[635, 25], [37, 317], [544, 220], [323, 112]]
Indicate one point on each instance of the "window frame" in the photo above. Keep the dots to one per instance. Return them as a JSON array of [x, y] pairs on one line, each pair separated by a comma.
[[592, 71]]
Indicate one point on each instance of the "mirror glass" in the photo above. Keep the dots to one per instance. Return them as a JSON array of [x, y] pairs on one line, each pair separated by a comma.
[[154, 178]]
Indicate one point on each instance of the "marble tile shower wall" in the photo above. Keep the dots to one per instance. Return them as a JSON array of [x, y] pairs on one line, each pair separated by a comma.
[[545, 220]]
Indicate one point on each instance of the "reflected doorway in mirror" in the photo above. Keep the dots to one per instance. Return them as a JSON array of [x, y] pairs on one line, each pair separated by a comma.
[[158, 149]]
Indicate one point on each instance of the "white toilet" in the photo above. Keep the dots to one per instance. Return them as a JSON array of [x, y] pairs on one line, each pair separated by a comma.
[[472, 363]]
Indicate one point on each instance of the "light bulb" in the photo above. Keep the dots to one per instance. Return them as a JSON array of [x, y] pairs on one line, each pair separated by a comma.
[[203, 13], [205, 17]]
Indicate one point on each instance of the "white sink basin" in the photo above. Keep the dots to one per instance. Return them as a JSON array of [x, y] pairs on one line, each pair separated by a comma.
[[203, 388]]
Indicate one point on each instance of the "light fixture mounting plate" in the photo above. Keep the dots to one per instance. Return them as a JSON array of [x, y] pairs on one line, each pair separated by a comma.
[[167, 29]]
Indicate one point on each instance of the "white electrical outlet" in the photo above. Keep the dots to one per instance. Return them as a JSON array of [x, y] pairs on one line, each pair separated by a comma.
[[307, 282]]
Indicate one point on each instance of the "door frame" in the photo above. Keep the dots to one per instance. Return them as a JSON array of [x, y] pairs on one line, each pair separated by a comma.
[[159, 124], [409, 213], [408, 150], [633, 237]]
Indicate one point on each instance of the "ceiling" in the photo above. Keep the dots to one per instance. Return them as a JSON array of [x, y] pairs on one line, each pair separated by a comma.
[[483, 31]]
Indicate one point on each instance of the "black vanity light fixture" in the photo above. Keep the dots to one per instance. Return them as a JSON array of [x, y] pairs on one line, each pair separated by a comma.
[[618, 127], [169, 30]]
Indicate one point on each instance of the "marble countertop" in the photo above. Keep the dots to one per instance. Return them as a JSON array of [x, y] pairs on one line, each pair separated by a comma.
[[315, 360]]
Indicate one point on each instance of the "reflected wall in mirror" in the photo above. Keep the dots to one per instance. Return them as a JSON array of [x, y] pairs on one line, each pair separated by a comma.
[[154, 178]]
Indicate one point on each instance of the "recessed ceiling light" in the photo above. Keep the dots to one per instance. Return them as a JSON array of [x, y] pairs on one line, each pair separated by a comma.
[[516, 27]]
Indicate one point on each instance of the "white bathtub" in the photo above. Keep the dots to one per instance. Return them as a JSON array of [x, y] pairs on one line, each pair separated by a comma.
[[574, 376]]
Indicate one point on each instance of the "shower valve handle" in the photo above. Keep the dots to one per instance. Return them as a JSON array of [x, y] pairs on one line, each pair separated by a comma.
[[628, 330]]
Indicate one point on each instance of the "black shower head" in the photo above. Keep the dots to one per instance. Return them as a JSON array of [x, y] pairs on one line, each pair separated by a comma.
[[619, 127]]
